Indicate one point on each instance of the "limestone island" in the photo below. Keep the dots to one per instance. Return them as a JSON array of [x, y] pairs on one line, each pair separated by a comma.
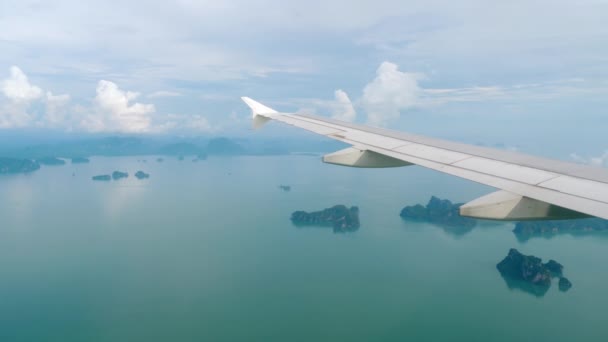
[[13, 165], [141, 175], [441, 212], [564, 284], [285, 188], [51, 161], [340, 217], [529, 274], [80, 160], [528, 229], [116, 175], [102, 178]]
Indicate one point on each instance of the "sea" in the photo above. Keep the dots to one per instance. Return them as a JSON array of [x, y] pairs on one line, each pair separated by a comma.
[[205, 251]]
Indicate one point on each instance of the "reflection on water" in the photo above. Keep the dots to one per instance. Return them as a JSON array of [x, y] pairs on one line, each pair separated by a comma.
[[549, 228], [533, 289], [523, 238], [454, 230], [119, 196], [19, 196], [335, 229]]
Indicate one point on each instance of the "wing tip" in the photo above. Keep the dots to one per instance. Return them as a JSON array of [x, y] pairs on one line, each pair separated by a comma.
[[258, 108]]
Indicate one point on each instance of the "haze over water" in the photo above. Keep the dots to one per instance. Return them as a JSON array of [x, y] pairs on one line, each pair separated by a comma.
[[206, 252]]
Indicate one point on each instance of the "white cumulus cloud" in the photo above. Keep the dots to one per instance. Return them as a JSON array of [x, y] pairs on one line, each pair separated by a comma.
[[343, 108], [22, 100], [17, 87], [391, 92], [115, 112], [19, 94], [111, 110]]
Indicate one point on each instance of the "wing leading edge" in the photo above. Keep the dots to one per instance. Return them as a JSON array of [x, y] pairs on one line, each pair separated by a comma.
[[531, 187]]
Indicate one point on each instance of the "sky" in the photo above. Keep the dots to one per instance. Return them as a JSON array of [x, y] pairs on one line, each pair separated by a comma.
[[521, 74]]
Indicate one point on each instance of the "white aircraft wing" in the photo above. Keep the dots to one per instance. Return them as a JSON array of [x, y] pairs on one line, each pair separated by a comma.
[[532, 188]]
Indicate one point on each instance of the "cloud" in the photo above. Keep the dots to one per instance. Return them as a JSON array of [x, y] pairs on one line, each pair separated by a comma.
[[201, 46], [389, 93], [19, 93], [185, 123], [343, 108], [17, 87], [56, 110], [23, 98], [14, 115], [114, 111], [199, 123], [164, 93], [601, 160]]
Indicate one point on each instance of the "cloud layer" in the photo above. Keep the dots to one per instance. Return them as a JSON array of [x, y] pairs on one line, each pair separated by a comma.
[[25, 105]]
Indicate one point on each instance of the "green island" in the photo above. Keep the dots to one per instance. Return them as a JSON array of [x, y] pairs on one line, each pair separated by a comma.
[[80, 160], [50, 161], [116, 175], [101, 178], [441, 212], [529, 274], [141, 175], [15, 165], [340, 217]]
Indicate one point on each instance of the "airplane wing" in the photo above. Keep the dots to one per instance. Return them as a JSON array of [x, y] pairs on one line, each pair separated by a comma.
[[531, 188]]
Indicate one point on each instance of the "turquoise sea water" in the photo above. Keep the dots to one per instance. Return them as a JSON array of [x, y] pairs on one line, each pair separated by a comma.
[[206, 252]]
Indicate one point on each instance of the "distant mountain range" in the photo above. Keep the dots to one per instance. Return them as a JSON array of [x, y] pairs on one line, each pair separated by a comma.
[[21, 157], [127, 145]]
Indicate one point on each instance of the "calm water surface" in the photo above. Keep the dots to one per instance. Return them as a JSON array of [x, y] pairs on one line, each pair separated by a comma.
[[206, 252]]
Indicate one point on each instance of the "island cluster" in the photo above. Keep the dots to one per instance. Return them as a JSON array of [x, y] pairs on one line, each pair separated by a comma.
[[116, 175]]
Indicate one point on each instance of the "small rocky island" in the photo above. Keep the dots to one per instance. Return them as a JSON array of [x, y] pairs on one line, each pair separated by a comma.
[[80, 160], [441, 212], [141, 175], [102, 178], [529, 274], [564, 284], [528, 229], [116, 175], [340, 217], [13, 165], [50, 161]]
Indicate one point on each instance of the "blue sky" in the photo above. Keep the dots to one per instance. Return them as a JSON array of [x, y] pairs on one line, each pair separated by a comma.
[[523, 73]]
